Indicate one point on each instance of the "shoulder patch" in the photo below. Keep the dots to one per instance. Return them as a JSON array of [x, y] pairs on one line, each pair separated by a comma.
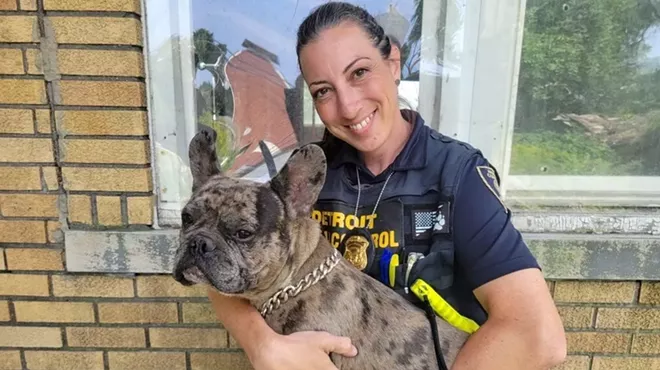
[[489, 178]]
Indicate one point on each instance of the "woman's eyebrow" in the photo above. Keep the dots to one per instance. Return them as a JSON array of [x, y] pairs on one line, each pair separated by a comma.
[[345, 69], [353, 62]]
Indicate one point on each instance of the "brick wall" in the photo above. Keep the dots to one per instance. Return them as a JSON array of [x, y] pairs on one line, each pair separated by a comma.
[[74, 152], [610, 325]]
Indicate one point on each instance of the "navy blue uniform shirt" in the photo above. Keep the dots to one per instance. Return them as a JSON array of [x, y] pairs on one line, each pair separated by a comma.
[[442, 193]]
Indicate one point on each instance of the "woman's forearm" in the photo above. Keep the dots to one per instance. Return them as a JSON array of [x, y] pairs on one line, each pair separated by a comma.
[[243, 322]]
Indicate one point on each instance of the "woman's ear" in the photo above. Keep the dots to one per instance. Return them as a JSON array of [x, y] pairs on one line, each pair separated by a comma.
[[394, 61]]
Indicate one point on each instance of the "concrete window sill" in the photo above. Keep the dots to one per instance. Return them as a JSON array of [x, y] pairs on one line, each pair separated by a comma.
[[593, 247]]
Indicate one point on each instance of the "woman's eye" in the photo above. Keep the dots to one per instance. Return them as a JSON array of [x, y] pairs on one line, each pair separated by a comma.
[[242, 234], [320, 92], [360, 72]]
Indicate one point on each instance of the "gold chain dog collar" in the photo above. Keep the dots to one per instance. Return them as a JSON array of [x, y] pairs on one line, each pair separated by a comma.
[[310, 279]]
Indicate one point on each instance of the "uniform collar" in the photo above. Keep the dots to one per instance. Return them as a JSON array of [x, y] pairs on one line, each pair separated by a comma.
[[413, 155]]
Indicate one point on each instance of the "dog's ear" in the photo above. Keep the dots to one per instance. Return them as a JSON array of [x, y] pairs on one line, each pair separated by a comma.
[[301, 179], [203, 157]]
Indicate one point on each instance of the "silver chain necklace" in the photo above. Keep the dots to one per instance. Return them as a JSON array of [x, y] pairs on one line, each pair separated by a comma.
[[357, 202]]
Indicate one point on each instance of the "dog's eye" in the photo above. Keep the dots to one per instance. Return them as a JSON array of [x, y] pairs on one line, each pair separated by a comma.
[[186, 219], [242, 234]]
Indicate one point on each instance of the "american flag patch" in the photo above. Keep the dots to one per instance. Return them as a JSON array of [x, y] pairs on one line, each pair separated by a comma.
[[424, 221]]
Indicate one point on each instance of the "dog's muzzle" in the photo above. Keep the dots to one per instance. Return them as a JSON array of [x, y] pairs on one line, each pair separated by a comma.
[[185, 270]]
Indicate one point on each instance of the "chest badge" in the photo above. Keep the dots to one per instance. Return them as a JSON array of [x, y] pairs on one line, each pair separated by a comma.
[[357, 248]]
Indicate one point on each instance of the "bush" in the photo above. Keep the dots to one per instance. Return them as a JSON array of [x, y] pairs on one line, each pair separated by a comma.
[[569, 153]]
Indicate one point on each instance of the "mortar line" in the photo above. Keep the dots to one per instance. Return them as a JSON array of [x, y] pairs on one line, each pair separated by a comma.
[[14, 45], [130, 325], [26, 136], [4, 256], [62, 107], [92, 13], [101, 47], [106, 361], [65, 342], [4, 76], [77, 165], [27, 164], [630, 343], [23, 360], [123, 204], [17, 12], [35, 126], [594, 315], [23, 192], [135, 288], [12, 311], [95, 213], [101, 78], [51, 289], [105, 137], [144, 350], [25, 62], [41, 246], [95, 308], [46, 231], [48, 48]]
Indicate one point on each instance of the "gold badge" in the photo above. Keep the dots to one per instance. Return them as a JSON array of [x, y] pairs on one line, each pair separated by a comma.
[[356, 251]]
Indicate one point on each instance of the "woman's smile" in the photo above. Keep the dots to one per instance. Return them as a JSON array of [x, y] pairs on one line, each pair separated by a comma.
[[363, 126]]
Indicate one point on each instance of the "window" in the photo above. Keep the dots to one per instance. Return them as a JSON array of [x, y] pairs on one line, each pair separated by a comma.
[[562, 96], [587, 111], [233, 67]]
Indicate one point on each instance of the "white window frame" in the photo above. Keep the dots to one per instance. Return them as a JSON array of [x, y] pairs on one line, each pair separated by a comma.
[[171, 105], [478, 107]]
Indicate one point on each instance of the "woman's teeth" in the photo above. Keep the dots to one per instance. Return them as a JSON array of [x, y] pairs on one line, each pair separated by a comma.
[[363, 124]]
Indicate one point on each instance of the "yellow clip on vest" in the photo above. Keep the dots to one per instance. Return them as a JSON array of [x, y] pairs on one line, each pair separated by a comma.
[[442, 307], [394, 262]]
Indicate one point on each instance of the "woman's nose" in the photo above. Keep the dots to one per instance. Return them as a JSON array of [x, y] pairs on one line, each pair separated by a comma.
[[349, 103]]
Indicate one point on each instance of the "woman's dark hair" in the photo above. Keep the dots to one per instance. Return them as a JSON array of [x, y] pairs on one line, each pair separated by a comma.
[[333, 13]]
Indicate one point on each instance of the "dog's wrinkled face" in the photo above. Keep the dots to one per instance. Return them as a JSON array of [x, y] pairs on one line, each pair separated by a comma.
[[236, 234]]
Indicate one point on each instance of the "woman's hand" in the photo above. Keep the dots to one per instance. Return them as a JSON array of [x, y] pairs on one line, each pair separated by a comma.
[[268, 350], [299, 351]]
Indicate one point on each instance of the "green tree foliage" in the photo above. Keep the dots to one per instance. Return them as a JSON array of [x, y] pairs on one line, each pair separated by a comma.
[[411, 49], [207, 50], [586, 57]]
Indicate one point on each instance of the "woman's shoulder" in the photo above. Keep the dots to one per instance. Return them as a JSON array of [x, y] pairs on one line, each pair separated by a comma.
[[439, 141], [448, 154]]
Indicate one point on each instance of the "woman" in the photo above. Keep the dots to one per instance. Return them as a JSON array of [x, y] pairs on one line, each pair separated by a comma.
[[388, 168]]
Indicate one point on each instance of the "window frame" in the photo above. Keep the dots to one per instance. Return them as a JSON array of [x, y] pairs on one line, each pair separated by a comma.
[[170, 137], [490, 126], [471, 108]]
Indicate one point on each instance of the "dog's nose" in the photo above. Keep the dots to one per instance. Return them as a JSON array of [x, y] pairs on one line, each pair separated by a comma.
[[203, 245], [178, 276]]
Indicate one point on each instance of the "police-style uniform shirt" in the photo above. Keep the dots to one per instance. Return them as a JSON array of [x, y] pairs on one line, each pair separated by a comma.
[[441, 200]]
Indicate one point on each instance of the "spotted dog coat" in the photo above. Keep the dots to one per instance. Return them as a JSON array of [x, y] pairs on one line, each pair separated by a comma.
[[249, 240]]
